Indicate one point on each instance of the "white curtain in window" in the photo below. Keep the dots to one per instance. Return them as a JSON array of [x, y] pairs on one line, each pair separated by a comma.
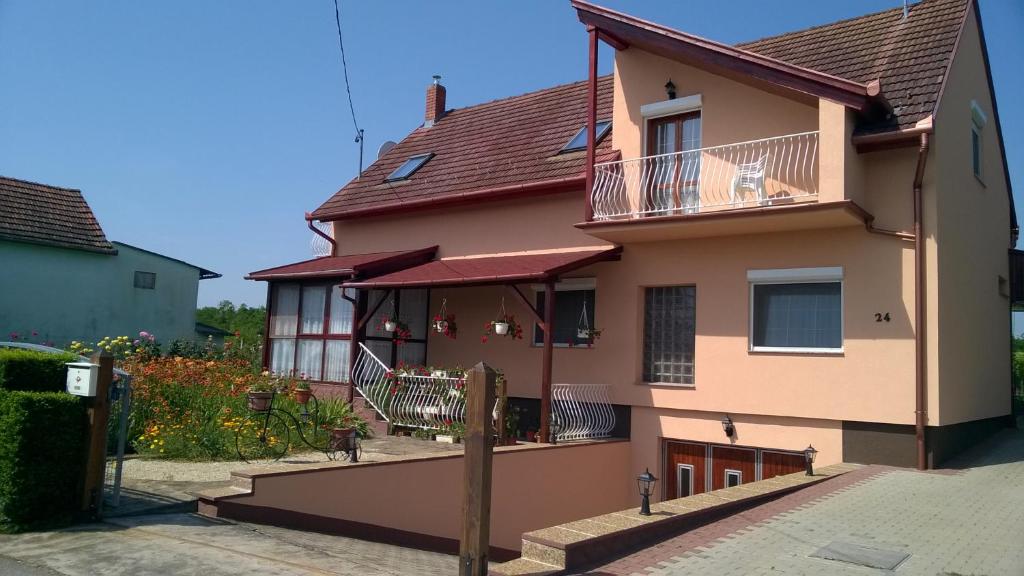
[[310, 356], [373, 326], [341, 311], [313, 299], [282, 355], [285, 310], [337, 362]]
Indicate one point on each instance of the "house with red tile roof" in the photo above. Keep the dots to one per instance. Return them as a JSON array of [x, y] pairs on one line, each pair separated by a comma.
[[64, 281], [728, 254]]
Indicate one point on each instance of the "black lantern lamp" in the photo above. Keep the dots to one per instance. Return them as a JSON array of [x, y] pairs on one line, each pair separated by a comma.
[[809, 454], [671, 89], [554, 428], [645, 483], [728, 426]]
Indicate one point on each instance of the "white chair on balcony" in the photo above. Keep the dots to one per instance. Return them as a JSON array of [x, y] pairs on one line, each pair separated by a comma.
[[749, 176]]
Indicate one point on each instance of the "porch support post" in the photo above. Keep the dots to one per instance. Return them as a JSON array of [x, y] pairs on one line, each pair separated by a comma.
[[358, 303], [591, 123], [545, 380]]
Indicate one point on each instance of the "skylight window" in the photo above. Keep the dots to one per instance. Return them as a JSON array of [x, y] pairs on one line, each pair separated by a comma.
[[409, 167], [579, 141]]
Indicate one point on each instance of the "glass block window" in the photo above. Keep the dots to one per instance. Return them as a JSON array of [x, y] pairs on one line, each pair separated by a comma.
[[805, 315], [670, 320]]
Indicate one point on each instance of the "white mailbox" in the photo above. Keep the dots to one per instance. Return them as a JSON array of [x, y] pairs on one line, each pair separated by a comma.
[[82, 377]]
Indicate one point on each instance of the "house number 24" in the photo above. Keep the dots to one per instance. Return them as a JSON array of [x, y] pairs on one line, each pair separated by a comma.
[[880, 317]]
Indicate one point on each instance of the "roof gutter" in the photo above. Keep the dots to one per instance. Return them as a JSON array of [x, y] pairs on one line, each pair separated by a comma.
[[556, 185]]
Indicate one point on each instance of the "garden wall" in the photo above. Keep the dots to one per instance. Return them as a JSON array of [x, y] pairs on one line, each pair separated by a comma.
[[418, 501]]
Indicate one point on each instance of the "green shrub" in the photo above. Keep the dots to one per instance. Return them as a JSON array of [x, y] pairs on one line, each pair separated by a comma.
[[33, 371], [43, 441]]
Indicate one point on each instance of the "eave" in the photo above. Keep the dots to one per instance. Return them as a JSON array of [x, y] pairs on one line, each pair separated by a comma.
[[628, 31]]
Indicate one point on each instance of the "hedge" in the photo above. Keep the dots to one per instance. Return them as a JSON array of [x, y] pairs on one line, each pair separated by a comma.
[[32, 370], [43, 441]]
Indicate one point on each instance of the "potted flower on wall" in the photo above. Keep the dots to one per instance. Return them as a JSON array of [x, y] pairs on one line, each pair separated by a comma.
[[505, 325], [343, 431], [444, 321], [399, 330]]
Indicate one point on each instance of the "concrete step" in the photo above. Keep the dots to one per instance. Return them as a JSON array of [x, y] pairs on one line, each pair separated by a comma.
[[523, 567]]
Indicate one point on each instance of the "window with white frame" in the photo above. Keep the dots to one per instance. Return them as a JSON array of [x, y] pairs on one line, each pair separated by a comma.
[[311, 331], [978, 121], [575, 302], [670, 320], [796, 310]]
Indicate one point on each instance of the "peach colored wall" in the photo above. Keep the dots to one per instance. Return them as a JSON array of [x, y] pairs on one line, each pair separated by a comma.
[[731, 111], [536, 223], [973, 236], [533, 487], [651, 425], [840, 166], [871, 381]]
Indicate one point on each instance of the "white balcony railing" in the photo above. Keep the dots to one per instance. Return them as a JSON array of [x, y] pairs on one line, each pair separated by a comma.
[[413, 401], [768, 172], [582, 411]]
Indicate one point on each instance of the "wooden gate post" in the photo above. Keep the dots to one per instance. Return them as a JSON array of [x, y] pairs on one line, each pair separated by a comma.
[[98, 411], [476, 499]]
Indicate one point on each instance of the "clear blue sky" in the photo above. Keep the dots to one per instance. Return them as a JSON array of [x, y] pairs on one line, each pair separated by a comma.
[[204, 130]]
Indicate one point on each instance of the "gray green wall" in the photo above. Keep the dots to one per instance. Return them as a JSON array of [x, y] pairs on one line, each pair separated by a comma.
[[69, 295]]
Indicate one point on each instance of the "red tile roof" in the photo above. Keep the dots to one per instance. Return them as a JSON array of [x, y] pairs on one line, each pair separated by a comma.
[[910, 57], [41, 214], [501, 144], [482, 270], [352, 265]]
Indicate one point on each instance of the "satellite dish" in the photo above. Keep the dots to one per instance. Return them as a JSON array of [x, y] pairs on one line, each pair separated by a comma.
[[387, 145]]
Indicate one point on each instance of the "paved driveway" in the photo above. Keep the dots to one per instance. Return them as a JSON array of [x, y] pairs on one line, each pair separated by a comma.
[[188, 544], [965, 520]]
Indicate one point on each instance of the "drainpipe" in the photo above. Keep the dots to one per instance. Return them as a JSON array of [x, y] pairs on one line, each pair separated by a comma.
[[591, 123], [921, 407], [318, 232]]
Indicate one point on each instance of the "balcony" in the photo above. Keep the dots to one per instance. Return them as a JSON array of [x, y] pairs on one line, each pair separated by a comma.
[[715, 191]]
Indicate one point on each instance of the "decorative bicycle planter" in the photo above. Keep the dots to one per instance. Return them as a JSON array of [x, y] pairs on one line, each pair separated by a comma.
[[266, 433]]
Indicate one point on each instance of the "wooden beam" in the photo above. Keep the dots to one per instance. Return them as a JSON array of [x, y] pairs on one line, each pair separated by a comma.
[[368, 315], [529, 306], [612, 40], [476, 493], [545, 379]]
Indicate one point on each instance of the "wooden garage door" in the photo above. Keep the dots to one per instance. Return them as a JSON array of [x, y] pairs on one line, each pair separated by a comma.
[[732, 466], [778, 463], [685, 469]]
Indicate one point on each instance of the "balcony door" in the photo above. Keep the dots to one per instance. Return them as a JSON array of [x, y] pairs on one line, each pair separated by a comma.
[[672, 169]]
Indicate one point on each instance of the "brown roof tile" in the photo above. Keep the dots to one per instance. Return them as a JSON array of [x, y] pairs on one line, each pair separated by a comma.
[[498, 144], [41, 214], [909, 57]]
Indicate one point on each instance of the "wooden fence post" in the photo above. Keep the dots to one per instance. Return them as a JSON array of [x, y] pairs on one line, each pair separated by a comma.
[[98, 410], [476, 503]]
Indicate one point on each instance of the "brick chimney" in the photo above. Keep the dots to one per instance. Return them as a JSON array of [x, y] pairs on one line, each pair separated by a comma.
[[435, 102]]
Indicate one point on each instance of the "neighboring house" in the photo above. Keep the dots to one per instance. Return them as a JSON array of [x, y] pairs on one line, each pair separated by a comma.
[[63, 280], [802, 240], [205, 332]]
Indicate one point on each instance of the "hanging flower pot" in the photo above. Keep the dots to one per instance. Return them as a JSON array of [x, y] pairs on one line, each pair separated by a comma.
[[440, 326], [504, 325], [390, 325], [501, 328], [444, 321], [583, 333]]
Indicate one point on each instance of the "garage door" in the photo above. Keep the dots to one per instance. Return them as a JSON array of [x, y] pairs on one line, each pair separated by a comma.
[[696, 467]]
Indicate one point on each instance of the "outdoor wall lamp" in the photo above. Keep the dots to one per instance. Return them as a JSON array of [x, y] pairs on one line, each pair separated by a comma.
[[645, 483], [809, 454], [671, 89], [728, 426]]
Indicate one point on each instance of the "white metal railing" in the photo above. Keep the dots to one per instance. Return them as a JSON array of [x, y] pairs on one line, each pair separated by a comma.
[[766, 172], [582, 411], [414, 401]]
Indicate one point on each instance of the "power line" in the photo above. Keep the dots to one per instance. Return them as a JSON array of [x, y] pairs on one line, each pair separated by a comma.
[[348, 88]]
